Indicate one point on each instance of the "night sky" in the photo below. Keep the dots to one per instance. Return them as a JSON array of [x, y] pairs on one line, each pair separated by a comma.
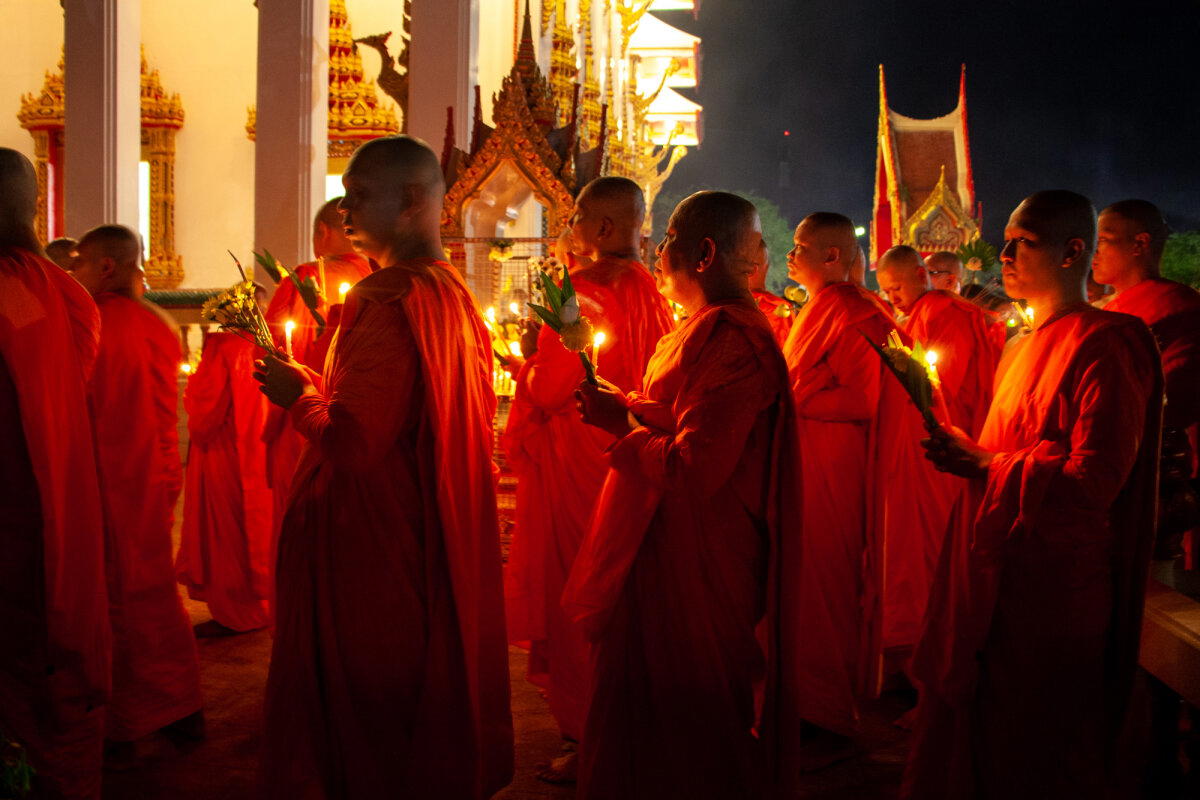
[[1102, 98]]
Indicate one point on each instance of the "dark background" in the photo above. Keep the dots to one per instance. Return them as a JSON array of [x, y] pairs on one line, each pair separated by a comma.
[[1102, 98]]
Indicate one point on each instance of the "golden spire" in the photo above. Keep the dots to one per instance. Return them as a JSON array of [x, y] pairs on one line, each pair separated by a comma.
[[589, 116], [563, 71], [355, 115]]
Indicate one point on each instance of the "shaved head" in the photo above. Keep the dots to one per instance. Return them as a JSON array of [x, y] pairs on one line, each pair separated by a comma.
[[607, 219], [903, 276], [1132, 235], [18, 200], [1060, 215], [945, 270], [825, 250], [713, 245], [1048, 246], [109, 260], [1145, 218], [329, 237], [62, 251], [393, 204]]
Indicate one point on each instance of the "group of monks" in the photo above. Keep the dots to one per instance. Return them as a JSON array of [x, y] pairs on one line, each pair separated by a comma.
[[735, 537]]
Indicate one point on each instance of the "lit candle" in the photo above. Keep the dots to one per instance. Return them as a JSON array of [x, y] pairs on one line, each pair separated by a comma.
[[343, 290], [514, 347], [185, 368], [288, 327], [597, 339], [515, 309], [931, 358], [490, 314]]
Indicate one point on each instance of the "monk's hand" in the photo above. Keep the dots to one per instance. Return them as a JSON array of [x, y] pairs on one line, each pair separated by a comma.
[[952, 451], [603, 406], [529, 337], [283, 381]]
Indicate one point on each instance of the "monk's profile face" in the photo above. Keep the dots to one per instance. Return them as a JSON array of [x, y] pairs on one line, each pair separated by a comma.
[[371, 209], [1031, 259], [807, 256], [671, 268], [589, 226], [1120, 247]]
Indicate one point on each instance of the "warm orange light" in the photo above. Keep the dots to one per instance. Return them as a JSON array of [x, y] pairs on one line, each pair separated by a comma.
[[288, 327], [343, 290]]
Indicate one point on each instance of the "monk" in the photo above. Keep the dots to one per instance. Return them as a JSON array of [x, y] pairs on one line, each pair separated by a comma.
[[671, 579], [858, 269], [56, 662], [777, 310], [336, 263], [1030, 646], [389, 671], [865, 554], [557, 482], [966, 340], [156, 673], [224, 556], [1130, 242], [945, 271], [62, 251]]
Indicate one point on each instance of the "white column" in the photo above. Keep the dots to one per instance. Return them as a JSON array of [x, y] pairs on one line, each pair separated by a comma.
[[442, 67], [291, 128], [103, 124]]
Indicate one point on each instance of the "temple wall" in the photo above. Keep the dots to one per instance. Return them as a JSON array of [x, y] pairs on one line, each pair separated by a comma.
[[31, 39]]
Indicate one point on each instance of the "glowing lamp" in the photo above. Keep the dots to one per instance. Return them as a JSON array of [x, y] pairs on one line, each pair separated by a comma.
[[490, 313], [859, 230]]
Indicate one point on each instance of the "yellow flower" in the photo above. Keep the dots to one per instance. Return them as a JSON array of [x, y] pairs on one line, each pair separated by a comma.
[[578, 335]]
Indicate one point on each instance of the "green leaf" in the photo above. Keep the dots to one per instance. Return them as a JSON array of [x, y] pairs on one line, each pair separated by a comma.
[[552, 292], [269, 265], [549, 317], [568, 291]]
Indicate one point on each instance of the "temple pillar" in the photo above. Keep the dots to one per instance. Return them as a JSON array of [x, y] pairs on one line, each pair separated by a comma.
[[442, 69], [291, 125], [103, 112]]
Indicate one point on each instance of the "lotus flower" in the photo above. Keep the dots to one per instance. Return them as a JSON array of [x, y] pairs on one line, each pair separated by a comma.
[[564, 318]]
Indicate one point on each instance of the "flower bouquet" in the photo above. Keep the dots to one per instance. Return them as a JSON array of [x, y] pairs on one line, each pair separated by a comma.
[[564, 318], [915, 369], [236, 310], [308, 289]]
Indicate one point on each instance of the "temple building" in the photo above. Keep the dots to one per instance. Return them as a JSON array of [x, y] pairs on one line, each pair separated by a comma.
[[199, 124], [924, 188]]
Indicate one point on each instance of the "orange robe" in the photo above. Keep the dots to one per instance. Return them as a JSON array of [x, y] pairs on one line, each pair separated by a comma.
[[866, 502], [1029, 649], [964, 337], [560, 466], [156, 673], [389, 672], [671, 579], [778, 311], [55, 663], [224, 554], [283, 443]]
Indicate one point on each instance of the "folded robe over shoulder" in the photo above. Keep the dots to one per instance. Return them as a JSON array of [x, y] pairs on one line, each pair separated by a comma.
[[389, 672], [560, 466], [1029, 648], [671, 579], [224, 551], [56, 661], [156, 672]]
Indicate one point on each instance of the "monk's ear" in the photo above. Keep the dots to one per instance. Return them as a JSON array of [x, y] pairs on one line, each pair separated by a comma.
[[108, 267], [708, 254], [833, 255], [606, 228], [1072, 252]]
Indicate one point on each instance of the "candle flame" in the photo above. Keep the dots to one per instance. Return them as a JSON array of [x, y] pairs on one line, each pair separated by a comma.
[[514, 348], [490, 313], [514, 308], [598, 338], [289, 326], [931, 357], [343, 290], [185, 368]]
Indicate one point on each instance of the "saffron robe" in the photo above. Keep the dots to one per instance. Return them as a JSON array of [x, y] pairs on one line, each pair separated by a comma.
[[778, 313], [560, 466], [670, 581], [1030, 645], [156, 672], [55, 665], [868, 504], [283, 443], [389, 671], [968, 348], [224, 554]]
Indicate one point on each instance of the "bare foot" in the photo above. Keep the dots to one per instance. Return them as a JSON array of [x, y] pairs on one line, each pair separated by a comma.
[[561, 771]]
